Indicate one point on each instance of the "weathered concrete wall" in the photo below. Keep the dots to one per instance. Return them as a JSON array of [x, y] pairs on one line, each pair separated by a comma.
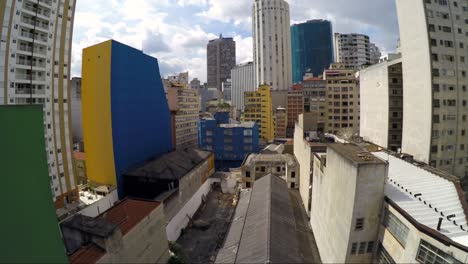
[[180, 220], [145, 243], [100, 206], [407, 254], [303, 155]]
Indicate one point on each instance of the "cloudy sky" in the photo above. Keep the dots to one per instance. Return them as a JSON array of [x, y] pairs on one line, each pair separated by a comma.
[[177, 31]]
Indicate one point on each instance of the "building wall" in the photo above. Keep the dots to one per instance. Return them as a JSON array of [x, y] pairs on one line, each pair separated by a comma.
[[101, 205], [47, 83], [124, 105], [407, 252], [334, 216], [312, 47], [30, 231], [435, 116], [304, 157], [315, 102], [353, 50], [221, 58], [258, 108], [186, 118], [242, 80], [294, 109], [343, 110], [75, 97], [281, 122], [144, 243], [271, 28]]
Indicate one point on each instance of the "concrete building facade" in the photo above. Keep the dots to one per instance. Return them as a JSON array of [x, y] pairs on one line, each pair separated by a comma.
[[294, 107], [226, 88], [272, 44], [381, 90], [375, 53], [259, 109], [35, 60], [351, 217], [280, 122], [435, 103], [77, 121], [221, 58], [342, 100], [312, 47], [242, 80], [352, 50], [315, 101]]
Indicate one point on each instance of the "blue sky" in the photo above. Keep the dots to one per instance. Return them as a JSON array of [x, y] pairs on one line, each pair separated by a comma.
[[177, 31]]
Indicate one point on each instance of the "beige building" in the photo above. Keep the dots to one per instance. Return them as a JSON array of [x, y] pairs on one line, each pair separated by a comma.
[[344, 217], [381, 90], [132, 231], [35, 60], [184, 104], [281, 122], [434, 41], [315, 101], [343, 100], [270, 161]]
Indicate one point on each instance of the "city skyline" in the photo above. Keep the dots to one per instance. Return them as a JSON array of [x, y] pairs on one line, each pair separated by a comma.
[[176, 31]]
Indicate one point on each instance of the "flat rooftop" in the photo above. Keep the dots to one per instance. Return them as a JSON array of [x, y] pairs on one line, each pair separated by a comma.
[[356, 154], [426, 197]]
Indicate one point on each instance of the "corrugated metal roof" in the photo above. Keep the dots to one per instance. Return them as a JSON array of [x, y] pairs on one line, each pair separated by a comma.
[[269, 227], [426, 197]]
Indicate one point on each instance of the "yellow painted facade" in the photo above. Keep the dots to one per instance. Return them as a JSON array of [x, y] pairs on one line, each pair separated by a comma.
[[258, 108], [97, 121]]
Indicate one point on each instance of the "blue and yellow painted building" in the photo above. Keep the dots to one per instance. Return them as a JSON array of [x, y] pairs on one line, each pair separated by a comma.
[[126, 118]]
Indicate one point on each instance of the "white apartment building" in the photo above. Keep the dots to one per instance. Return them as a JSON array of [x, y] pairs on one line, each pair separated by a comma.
[[434, 44], [352, 50], [35, 52], [272, 44], [242, 80]]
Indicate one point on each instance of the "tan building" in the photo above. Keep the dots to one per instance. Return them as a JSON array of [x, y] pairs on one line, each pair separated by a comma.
[[35, 60], [258, 108], [315, 101], [343, 101], [281, 122], [434, 45], [295, 108], [184, 104], [132, 231], [381, 90], [80, 167]]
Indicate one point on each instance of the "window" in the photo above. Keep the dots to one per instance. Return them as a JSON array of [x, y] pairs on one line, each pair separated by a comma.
[[293, 174], [362, 247], [428, 253], [278, 169], [396, 227], [247, 184], [359, 224], [383, 256], [262, 169], [370, 246], [353, 248], [247, 174]]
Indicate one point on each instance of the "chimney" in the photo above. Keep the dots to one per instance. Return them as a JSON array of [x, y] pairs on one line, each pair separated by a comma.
[[440, 223]]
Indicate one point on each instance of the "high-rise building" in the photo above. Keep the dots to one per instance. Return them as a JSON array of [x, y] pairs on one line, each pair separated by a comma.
[[75, 97], [352, 50], [312, 47], [315, 101], [227, 90], [375, 53], [295, 107], [381, 97], [258, 108], [242, 80], [126, 118], [221, 58], [434, 41], [35, 59], [195, 84], [272, 44], [343, 100], [281, 122]]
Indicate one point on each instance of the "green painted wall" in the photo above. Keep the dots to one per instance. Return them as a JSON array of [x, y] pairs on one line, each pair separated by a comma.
[[29, 230]]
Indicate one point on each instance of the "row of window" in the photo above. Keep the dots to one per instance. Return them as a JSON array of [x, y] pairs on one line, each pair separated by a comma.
[[362, 248]]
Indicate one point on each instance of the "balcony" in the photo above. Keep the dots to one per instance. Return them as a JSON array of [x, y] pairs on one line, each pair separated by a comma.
[[28, 77], [28, 91], [32, 23], [39, 11], [34, 36], [41, 51], [28, 63]]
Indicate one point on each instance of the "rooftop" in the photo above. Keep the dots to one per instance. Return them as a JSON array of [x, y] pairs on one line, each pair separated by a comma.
[[355, 154], [245, 125], [426, 197], [89, 254], [171, 166], [264, 228]]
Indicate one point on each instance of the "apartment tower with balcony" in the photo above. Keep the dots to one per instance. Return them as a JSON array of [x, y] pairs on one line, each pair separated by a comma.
[[35, 58], [434, 44]]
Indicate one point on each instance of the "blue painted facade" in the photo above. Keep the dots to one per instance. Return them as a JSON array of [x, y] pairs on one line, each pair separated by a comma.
[[141, 120], [230, 143], [311, 47]]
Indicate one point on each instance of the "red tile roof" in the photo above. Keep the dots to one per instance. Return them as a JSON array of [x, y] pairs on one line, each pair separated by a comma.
[[90, 254], [129, 212]]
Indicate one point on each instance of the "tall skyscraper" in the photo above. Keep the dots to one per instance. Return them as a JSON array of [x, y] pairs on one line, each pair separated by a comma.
[[434, 45], [242, 80], [312, 47], [352, 50], [272, 44], [35, 52], [221, 58]]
